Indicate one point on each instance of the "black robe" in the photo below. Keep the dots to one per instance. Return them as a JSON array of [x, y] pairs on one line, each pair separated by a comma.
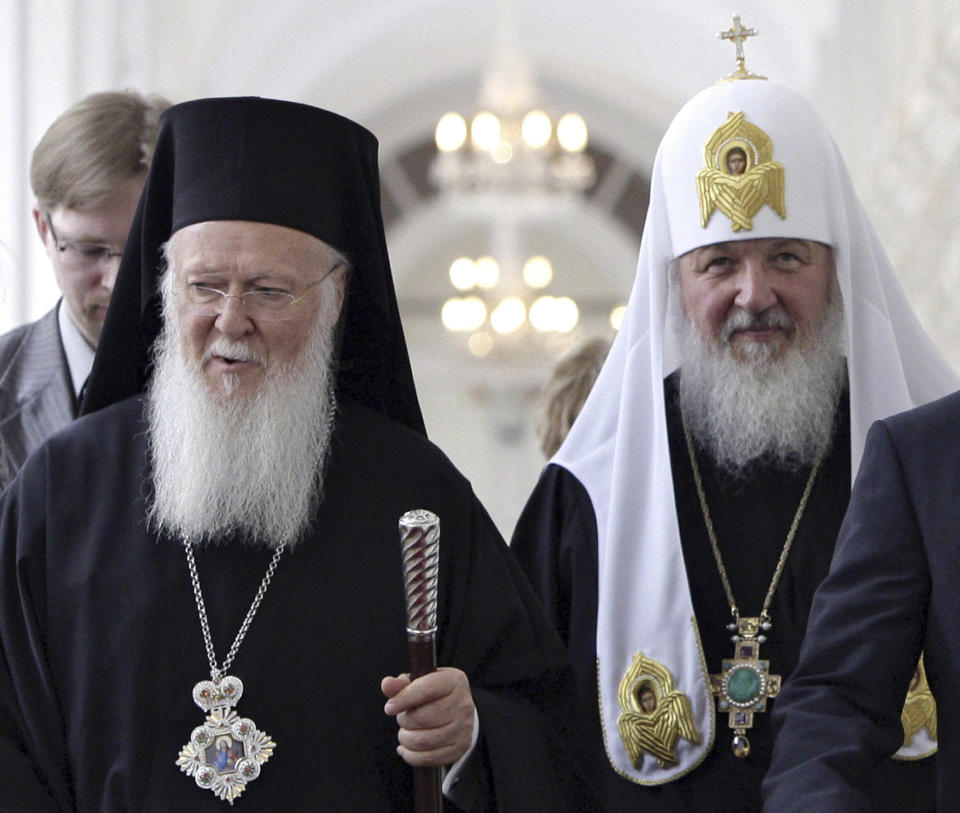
[[100, 643], [556, 543]]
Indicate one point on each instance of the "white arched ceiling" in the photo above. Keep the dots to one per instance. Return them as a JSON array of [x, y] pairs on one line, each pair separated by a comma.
[[397, 64]]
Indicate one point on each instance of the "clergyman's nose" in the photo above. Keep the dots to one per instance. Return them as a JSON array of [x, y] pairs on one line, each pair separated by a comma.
[[755, 292]]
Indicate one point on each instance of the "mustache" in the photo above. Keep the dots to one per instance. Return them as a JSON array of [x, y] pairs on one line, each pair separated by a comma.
[[235, 351], [741, 319]]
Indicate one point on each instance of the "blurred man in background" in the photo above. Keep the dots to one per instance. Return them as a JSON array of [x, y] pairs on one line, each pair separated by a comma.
[[86, 173]]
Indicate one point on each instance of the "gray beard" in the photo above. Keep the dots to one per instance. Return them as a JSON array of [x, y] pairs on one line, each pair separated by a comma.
[[779, 411], [250, 468]]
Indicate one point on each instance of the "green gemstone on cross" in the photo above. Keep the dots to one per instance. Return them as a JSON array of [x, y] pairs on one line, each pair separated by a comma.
[[743, 684]]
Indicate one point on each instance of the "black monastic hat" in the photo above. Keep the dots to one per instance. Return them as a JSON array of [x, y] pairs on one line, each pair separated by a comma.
[[271, 162]]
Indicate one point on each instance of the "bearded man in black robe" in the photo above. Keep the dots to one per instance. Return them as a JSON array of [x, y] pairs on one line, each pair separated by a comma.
[[700, 490], [252, 438]]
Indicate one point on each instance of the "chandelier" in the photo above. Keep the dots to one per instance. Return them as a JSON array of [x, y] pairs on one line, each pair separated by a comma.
[[511, 165], [489, 309], [512, 145]]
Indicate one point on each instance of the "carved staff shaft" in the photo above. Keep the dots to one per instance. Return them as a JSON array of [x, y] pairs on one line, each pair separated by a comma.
[[420, 541]]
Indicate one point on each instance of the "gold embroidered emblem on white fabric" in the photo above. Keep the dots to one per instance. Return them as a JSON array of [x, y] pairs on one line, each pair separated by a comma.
[[739, 175], [654, 715]]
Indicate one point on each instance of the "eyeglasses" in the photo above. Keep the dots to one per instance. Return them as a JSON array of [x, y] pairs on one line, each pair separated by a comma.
[[80, 255], [265, 304]]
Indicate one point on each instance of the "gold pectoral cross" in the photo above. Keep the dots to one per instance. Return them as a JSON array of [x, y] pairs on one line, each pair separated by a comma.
[[745, 682]]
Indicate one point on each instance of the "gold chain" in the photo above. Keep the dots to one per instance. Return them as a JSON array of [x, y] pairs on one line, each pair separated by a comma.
[[778, 572]]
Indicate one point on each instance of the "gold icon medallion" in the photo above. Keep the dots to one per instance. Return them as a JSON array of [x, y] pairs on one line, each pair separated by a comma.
[[739, 175], [653, 714]]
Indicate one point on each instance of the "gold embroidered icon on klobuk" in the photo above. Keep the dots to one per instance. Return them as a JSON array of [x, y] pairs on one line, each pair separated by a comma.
[[654, 715], [739, 175]]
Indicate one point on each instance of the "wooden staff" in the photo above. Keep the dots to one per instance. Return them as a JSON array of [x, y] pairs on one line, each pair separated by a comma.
[[420, 540]]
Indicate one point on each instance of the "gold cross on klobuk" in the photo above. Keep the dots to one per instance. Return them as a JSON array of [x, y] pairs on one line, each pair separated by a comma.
[[738, 34]]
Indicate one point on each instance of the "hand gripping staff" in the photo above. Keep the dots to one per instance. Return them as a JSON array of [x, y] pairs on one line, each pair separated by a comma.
[[420, 541]]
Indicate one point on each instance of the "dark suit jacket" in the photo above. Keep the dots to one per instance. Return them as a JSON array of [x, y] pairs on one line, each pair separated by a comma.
[[36, 394], [893, 588]]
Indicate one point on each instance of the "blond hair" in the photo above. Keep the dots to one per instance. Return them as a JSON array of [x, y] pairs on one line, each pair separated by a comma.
[[566, 391], [93, 148]]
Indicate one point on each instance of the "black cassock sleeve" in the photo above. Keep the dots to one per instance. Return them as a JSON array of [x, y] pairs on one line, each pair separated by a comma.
[[34, 774], [839, 714], [555, 542], [529, 740]]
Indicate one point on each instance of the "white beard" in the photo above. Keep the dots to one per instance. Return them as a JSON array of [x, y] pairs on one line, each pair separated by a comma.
[[250, 467], [761, 408]]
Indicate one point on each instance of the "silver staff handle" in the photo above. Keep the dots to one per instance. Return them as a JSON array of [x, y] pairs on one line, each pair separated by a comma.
[[420, 542]]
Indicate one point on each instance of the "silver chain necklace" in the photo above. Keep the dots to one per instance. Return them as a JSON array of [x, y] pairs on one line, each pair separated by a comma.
[[226, 752], [215, 672]]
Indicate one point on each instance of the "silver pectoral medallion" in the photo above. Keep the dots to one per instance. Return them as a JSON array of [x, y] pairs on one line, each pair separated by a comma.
[[226, 752]]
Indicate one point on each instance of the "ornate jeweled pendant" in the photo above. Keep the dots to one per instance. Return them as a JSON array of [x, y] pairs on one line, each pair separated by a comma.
[[745, 683], [226, 752]]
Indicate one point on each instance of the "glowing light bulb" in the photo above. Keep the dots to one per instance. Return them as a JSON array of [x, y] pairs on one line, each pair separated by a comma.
[[463, 273], [509, 315], [541, 314], [487, 273], [480, 344], [572, 132], [485, 131], [451, 132], [566, 314], [501, 153], [463, 313], [537, 272], [536, 129]]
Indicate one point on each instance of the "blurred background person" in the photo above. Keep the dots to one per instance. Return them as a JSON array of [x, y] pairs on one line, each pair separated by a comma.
[[565, 392], [86, 174]]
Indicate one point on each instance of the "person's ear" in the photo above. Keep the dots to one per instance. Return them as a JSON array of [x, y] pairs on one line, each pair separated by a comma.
[[40, 221]]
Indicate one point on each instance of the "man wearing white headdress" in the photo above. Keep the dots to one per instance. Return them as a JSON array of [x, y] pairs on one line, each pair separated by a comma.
[[699, 493]]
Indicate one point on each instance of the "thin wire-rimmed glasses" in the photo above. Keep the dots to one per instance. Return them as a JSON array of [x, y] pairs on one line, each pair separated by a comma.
[[79, 254], [266, 304]]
